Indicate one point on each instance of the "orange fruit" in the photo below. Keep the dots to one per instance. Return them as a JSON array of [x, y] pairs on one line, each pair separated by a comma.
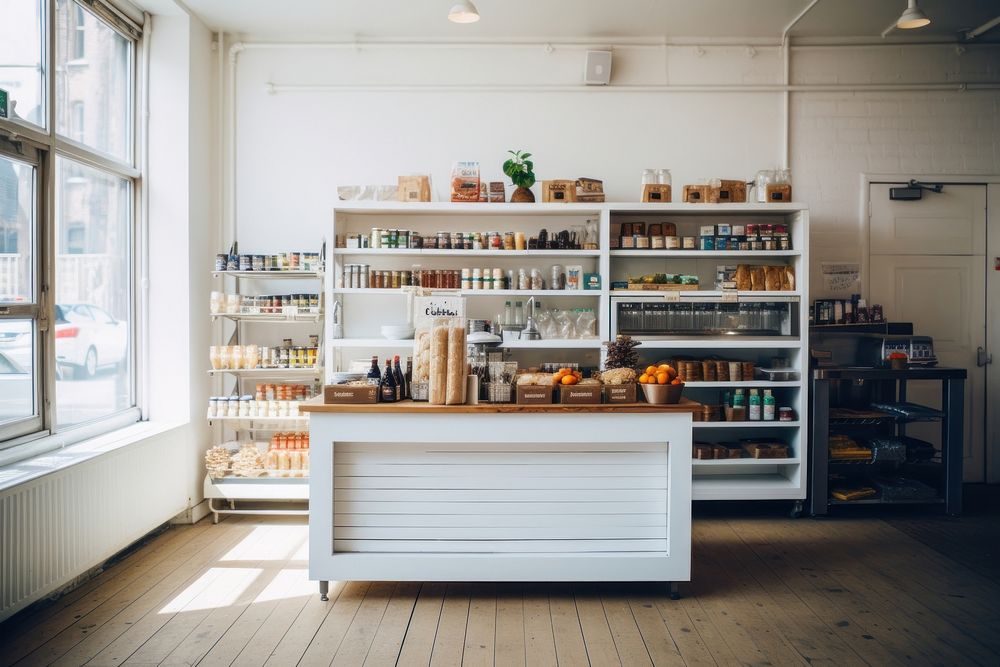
[[650, 370], [668, 369], [677, 381], [662, 378], [643, 378], [569, 379]]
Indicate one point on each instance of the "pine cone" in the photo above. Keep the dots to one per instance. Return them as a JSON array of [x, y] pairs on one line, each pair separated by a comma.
[[622, 354]]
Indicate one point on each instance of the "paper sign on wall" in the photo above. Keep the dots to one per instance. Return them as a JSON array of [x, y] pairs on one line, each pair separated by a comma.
[[841, 278]]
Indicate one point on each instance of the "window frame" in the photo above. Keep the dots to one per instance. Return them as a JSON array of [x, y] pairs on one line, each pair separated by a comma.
[[49, 145]]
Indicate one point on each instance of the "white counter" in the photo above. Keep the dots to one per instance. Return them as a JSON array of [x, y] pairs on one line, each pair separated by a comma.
[[414, 492]]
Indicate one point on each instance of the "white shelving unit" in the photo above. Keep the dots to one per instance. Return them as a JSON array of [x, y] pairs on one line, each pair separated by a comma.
[[265, 495], [365, 309], [732, 479]]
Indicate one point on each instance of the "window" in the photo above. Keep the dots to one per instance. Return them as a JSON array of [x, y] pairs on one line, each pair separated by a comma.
[[79, 34], [21, 49], [67, 360]]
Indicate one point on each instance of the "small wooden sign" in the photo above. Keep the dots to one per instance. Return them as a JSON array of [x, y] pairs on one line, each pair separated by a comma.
[[350, 393], [530, 394]]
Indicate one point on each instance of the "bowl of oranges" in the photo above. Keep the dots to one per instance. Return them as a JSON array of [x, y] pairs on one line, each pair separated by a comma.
[[567, 376], [661, 385]]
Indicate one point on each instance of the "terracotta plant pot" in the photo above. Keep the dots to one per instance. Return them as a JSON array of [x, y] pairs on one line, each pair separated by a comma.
[[522, 195]]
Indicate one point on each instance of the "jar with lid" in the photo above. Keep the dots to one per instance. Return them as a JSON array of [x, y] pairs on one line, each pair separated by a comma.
[[663, 177], [508, 241]]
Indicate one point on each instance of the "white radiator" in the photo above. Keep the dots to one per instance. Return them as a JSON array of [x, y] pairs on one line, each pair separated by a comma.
[[56, 527]]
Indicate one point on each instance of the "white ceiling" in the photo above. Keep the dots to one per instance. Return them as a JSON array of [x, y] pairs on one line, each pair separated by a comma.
[[300, 20]]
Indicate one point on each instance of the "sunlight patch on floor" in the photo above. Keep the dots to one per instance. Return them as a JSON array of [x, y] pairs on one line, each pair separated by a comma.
[[288, 583], [217, 587], [269, 542]]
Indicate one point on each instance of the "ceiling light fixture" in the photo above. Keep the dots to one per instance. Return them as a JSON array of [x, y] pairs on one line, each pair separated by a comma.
[[912, 17], [463, 12]]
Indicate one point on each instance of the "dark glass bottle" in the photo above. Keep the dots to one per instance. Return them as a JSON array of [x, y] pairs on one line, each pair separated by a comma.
[[387, 388], [397, 374], [374, 375], [408, 377]]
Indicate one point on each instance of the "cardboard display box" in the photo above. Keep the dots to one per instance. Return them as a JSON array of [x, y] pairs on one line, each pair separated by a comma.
[[530, 394], [344, 393], [620, 393], [587, 394]]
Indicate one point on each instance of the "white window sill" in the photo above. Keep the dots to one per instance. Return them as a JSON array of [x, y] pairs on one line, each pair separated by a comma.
[[70, 455]]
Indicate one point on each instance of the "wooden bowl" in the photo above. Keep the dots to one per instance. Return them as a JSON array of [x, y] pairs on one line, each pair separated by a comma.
[[662, 394]]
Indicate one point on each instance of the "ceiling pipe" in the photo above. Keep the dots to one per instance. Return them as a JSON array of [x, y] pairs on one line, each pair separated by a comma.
[[277, 88], [986, 27], [787, 67]]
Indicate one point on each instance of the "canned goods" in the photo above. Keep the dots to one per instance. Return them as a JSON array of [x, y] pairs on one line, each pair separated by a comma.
[[477, 279], [688, 243], [375, 240], [558, 277], [221, 260], [415, 240], [706, 243], [258, 262], [784, 243], [641, 242], [672, 242], [294, 260], [394, 280], [496, 242], [246, 262], [497, 278], [282, 358], [365, 280], [656, 243], [385, 241], [443, 241]]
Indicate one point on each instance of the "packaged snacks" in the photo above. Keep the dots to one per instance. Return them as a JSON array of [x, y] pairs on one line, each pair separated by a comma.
[[438, 383], [457, 366], [465, 182]]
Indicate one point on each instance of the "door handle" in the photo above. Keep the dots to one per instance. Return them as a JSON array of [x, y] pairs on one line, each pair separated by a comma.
[[983, 359]]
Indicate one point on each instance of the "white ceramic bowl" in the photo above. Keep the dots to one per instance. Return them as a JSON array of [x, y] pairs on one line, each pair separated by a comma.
[[397, 332]]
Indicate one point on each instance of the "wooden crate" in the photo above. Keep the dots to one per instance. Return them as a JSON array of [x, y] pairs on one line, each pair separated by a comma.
[[558, 191], [696, 194], [728, 192], [777, 193], [657, 193]]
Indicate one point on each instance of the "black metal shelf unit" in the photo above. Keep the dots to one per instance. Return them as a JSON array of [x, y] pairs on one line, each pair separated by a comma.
[[888, 386]]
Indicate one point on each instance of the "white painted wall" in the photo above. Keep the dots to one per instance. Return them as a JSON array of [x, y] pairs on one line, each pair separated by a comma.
[[182, 185], [294, 148]]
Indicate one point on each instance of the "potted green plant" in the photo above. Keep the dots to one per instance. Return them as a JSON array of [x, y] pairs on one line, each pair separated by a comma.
[[519, 170]]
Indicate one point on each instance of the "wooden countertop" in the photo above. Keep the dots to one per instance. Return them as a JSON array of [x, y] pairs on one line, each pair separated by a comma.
[[422, 408]]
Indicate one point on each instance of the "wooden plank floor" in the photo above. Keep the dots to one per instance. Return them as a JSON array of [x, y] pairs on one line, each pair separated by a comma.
[[767, 590]]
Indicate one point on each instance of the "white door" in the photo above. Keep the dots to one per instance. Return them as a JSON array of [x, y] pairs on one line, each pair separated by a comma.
[[928, 266], [993, 338]]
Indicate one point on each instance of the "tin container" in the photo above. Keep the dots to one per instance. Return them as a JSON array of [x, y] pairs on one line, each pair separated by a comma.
[[641, 242], [672, 242], [689, 242], [443, 241], [657, 243], [558, 277], [706, 243], [221, 260], [477, 279], [497, 279], [246, 262], [365, 280]]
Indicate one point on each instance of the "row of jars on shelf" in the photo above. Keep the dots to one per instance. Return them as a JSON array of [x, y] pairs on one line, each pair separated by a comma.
[[361, 276], [261, 304], [251, 408], [239, 357]]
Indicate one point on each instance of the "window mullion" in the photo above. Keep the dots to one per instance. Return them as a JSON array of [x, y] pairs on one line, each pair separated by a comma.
[[88, 156]]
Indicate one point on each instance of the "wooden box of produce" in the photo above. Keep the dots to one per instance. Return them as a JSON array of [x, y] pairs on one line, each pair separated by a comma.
[[619, 393], [728, 192], [580, 394], [532, 394], [558, 191], [350, 393], [696, 194]]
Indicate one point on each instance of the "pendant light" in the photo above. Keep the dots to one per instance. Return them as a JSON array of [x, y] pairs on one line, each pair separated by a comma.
[[912, 17], [463, 12]]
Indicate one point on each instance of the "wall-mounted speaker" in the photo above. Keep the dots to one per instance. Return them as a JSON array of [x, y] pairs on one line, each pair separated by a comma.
[[597, 69]]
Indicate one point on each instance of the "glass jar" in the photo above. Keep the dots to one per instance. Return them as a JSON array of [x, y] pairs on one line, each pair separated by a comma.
[[508, 241], [663, 177], [764, 178], [215, 357], [236, 357]]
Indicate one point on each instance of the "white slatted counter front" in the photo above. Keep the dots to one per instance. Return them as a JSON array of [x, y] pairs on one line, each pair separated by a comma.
[[413, 492]]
